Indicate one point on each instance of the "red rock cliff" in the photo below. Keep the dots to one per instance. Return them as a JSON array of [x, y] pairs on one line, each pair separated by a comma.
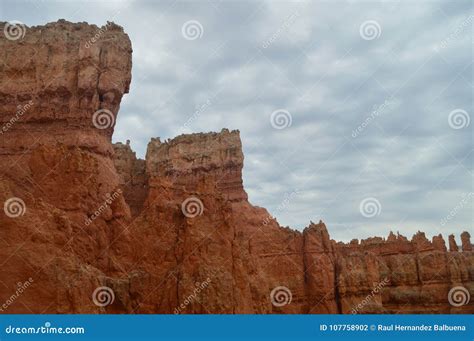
[[174, 233], [59, 100]]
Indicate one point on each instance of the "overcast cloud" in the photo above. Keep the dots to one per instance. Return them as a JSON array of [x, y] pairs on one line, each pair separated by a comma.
[[369, 87]]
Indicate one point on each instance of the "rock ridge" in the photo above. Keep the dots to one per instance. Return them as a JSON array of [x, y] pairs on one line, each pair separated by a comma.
[[90, 215]]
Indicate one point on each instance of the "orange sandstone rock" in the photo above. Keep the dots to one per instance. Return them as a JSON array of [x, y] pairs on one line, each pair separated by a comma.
[[174, 233]]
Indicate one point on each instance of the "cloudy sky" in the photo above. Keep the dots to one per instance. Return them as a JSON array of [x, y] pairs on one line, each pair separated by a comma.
[[354, 112]]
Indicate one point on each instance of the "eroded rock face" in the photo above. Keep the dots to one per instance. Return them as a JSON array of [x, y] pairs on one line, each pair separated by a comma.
[[56, 162], [188, 161], [416, 275], [133, 176], [174, 233], [59, 97]]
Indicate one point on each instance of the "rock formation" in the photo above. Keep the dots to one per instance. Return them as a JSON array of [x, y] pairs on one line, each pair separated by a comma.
[[59, 97], [174, 233], [466, 241]]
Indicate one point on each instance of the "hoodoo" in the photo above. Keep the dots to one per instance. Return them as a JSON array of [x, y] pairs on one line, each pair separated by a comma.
[[181, 220]]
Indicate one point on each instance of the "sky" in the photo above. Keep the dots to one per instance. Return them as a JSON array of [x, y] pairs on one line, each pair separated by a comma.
[[358, 113]]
